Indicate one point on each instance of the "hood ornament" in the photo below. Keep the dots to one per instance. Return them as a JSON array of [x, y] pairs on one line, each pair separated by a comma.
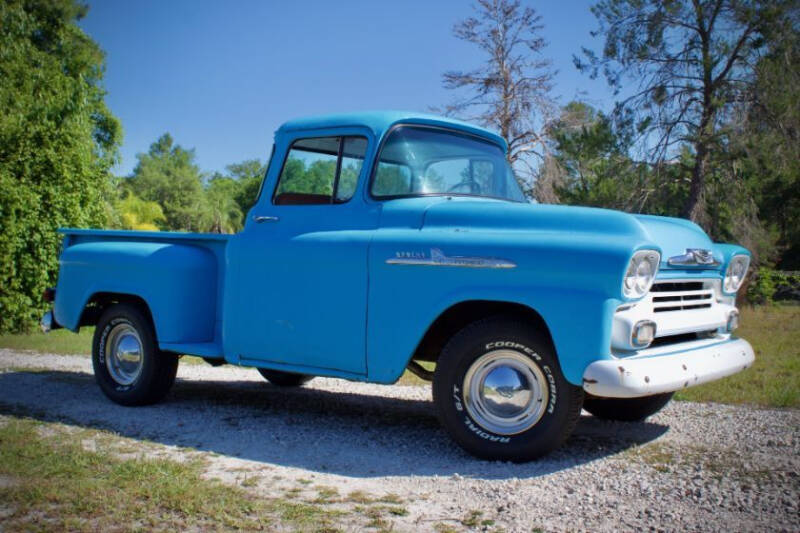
[[694, 257]]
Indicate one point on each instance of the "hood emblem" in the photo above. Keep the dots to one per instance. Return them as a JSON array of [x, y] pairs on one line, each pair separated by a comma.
[[438, 258], [694, 257]]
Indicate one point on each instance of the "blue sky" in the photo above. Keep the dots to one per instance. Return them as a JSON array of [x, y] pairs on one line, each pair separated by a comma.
[[222, 76]]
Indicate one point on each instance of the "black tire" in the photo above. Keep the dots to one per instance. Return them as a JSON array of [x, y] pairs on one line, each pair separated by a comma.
[[284, 379], [627, 409], [156, 371], [501, 337]]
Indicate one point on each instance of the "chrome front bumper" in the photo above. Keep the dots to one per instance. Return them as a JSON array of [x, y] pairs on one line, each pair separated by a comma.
[[667, 368]]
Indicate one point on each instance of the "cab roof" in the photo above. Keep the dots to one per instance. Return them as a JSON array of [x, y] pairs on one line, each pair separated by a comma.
[[381, 121]]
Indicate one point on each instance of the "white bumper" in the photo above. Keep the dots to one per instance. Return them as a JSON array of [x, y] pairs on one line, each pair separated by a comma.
[[667, 369]]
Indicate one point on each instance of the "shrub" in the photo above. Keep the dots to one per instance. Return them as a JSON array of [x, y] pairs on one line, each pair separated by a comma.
[[767, 286], [57, 143]]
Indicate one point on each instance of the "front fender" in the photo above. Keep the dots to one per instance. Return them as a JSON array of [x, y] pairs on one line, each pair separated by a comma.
[[579, 323], [573, 282]]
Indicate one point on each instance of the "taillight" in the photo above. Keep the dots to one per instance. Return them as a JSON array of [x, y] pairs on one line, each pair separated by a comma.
[[49, 295]]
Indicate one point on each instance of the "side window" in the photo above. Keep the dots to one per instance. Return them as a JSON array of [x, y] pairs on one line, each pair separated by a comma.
[[391, 179], [321, 170]]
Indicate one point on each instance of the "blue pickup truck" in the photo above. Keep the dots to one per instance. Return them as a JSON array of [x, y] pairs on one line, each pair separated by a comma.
[[388, 241]]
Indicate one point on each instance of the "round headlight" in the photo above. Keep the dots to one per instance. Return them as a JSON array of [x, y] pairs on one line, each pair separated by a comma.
[[736, 272], [644, 275], [640, 274]]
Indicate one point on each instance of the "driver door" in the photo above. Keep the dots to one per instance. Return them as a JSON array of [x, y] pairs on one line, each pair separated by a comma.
[[305, 262]]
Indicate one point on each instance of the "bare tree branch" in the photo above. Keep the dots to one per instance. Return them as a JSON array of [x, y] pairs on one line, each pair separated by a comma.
[[511, 90]]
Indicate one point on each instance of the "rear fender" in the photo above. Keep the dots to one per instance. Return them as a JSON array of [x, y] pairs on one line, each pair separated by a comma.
[[177, 282]]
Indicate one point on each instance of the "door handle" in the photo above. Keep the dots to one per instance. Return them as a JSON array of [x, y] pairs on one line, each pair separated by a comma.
[[265, 218]]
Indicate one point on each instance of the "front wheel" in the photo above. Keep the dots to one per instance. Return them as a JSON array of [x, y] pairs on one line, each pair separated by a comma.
[[500, 393], [128, 366], [627, 409]]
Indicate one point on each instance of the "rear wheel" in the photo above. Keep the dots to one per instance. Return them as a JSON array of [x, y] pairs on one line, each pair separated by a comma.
[[627, 409], [500, 393], [284, 379], [128, 366]]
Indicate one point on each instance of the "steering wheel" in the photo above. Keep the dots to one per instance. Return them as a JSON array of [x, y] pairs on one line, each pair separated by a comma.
[[463, 183]]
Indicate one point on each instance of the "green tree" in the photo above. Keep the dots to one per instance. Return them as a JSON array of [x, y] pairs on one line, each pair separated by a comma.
[[591, 165], [249, 175], [58, 141], [226, 214], [689, 63], [167, 175], [595, 168], [767, 139], [138, 214], [391, 178], [315, 178]]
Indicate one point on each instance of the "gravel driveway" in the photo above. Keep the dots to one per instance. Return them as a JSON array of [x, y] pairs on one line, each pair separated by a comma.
[[692, 467]]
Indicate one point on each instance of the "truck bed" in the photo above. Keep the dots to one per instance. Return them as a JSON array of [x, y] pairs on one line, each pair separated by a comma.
[[179, 275]]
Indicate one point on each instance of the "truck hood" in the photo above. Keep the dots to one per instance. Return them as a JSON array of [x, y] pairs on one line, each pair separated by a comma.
[[672, 235], [676, 235]]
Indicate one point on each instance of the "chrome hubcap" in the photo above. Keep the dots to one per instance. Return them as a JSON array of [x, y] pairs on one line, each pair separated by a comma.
[[505, 392], [124, 349]]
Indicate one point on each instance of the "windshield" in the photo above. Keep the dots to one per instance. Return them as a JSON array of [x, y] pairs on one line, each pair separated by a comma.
[[419, 161]]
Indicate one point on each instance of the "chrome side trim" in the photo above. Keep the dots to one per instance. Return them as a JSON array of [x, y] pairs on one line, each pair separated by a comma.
[[694, 257], [438, 258]]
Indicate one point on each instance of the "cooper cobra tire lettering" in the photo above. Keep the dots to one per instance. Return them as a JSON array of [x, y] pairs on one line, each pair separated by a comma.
[[458, 404], [457, 398], [551, 381], [102, 348], [482, 434], [514, 346]]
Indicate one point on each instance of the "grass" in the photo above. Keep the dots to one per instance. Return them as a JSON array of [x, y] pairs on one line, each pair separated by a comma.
[[409, 378], [774, 378], [60, 341], [472, 519], [666, 458], [326, 494], [657, 455], [773, 381], [361, 497], [50, 481]]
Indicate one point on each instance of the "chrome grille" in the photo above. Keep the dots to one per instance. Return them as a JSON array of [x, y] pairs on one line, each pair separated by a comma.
[[681, 295]]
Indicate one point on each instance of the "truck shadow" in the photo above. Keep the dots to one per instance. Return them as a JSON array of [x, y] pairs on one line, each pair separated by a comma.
[[345, 433]]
